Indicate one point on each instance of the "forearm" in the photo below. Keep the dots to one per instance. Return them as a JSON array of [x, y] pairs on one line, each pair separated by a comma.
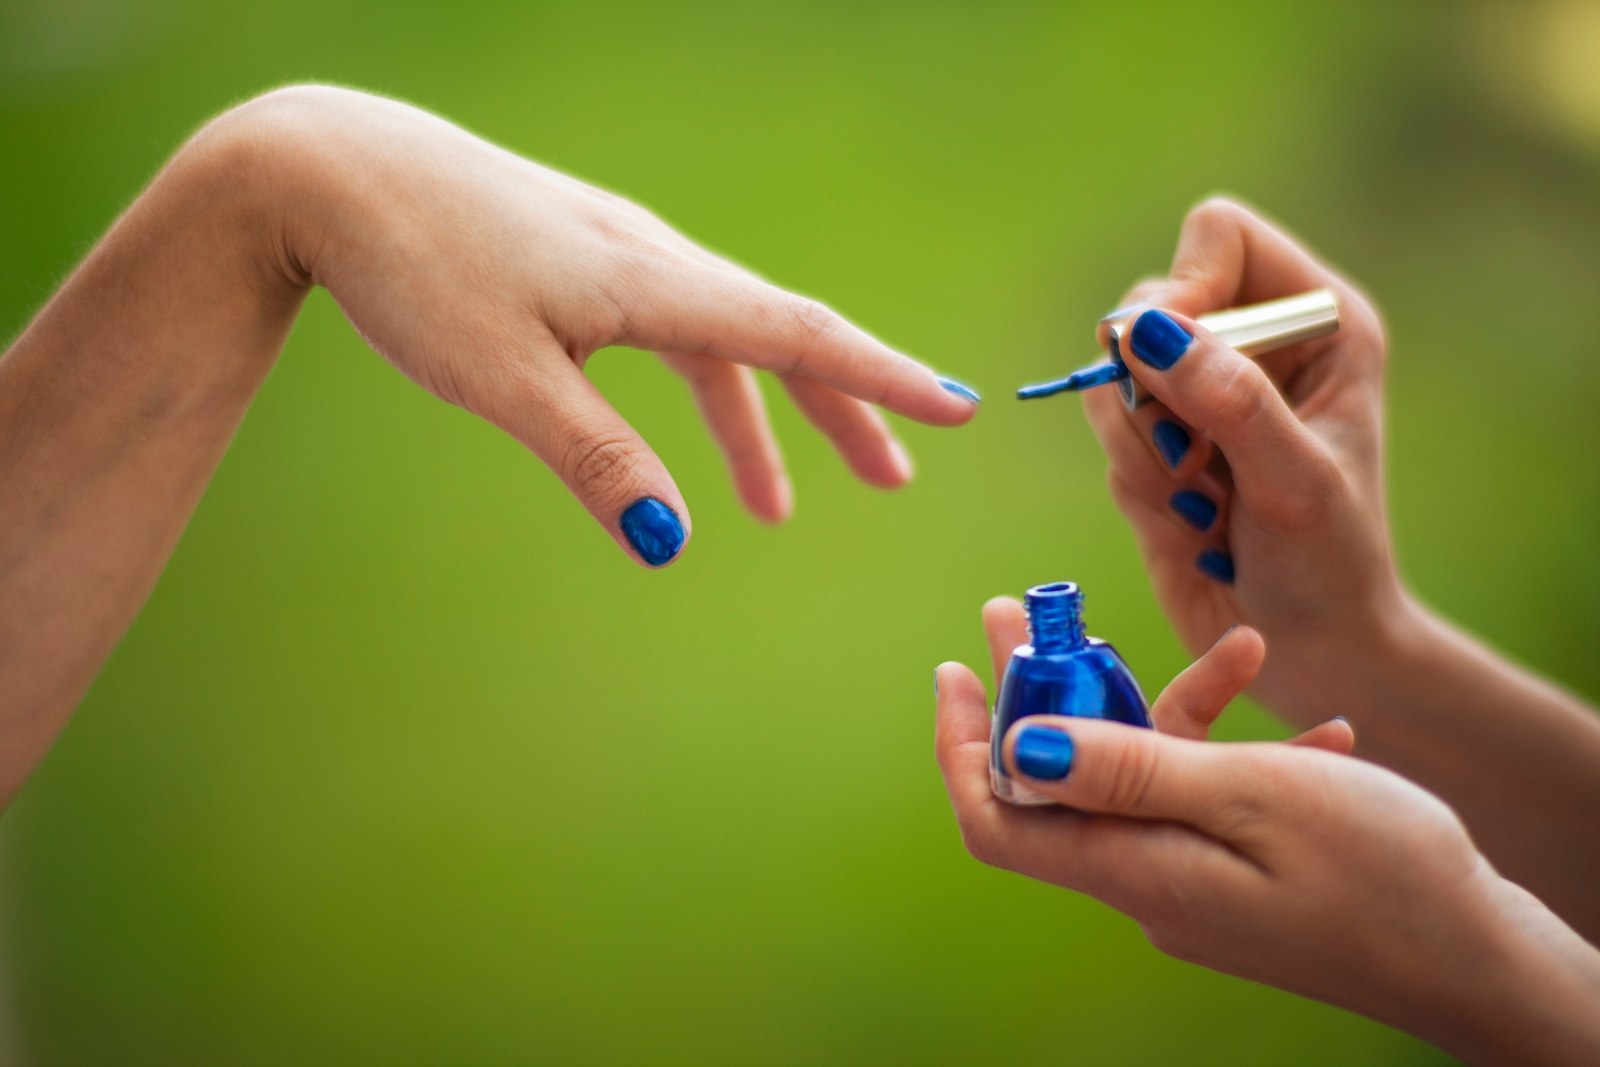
[[116, 405], [1518, 758], [1530, 994]]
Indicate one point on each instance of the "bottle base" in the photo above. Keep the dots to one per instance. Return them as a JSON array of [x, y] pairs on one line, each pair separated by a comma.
[[1007, 789]]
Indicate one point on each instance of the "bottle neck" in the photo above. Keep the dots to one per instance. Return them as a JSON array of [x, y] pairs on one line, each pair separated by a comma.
[[1055, 617]]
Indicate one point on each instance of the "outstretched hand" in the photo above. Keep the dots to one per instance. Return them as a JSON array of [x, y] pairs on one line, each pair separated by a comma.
[[490, 280]]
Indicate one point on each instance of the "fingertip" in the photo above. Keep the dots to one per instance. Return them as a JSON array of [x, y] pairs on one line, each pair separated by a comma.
[[1335, 735], [961, 709], [655, 531], [1005, 624], [960, 389], [1244, 639], [954, 402], [1343, 734], [1001, 607], [769, 498], [953, 676], [904, 469], [785, 501]]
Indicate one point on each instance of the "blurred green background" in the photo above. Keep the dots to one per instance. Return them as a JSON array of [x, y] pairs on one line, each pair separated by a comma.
[[405, 763]]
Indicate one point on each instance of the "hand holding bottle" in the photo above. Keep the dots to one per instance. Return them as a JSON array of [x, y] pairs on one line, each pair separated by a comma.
[[1290, 864]]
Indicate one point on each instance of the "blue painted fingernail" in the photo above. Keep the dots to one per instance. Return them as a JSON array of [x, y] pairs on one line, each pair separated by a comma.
[[1172, 441], [1341, 718], [936, 681], [1158, 340], [1194, 508], [653, 530], [1216, 564], [964, 391], [1043, 753]]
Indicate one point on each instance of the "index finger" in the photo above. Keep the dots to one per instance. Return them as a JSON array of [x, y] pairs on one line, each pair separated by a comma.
[[679, 304], [1229, 255]]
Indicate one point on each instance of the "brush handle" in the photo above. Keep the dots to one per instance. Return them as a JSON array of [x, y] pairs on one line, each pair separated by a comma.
[[1253, 330]]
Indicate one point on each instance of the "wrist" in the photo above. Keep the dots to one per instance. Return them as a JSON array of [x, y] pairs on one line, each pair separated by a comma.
[[1347, 665], [1528, 994]]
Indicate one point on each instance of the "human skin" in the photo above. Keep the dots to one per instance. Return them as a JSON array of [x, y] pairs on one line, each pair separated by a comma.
[[485, 278], [1290, 864], [1290, 450]]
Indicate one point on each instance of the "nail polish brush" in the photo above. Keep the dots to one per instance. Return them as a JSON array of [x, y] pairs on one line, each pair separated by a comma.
[[1253, 330]]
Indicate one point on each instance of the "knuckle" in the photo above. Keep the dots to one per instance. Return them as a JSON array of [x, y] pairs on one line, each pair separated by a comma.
[[1175, 941], [1322, 493], [812, 320], [1132, 775], [1238, 396], [599, 463], [1214, 210], [978, 838]]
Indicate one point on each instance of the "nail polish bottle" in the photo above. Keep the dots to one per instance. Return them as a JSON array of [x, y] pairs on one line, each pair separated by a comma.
[[1063, 672]]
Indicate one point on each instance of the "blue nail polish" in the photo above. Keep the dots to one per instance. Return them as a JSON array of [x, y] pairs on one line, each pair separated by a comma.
[[1083, 378], [1341, 718], [936, 681], [653, 530], [1158, 340], [1216, 564], [1172, 441], [964, 391], [1063, 672], [1040, 752], [1194, 508]]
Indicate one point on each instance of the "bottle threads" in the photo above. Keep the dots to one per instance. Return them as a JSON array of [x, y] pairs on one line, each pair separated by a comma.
[[1055, 617]]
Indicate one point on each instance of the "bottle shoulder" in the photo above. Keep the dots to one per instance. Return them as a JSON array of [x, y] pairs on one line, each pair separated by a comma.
[[1093, 652]]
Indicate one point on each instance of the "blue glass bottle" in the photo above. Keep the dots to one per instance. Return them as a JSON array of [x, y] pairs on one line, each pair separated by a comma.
[[1062, 673]]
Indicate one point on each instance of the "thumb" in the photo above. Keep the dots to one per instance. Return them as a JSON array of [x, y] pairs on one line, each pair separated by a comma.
[[1109, 768], [550, 406]]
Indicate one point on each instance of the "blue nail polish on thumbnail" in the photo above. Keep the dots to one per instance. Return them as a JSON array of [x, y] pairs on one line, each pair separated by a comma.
[[1063, 672], [1216, 564], [961, 389], [1041, 752], [1158, 340], [1194, 508], [653, 530], [1172, 441]]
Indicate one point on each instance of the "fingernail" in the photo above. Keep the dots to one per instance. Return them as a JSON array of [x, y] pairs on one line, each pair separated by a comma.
[[1043, 753], [1341, 718], [936, 681], [1158, 340], [1216, 564], [1194, 508], [964, 391], [653, 530], [1172, 441]]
